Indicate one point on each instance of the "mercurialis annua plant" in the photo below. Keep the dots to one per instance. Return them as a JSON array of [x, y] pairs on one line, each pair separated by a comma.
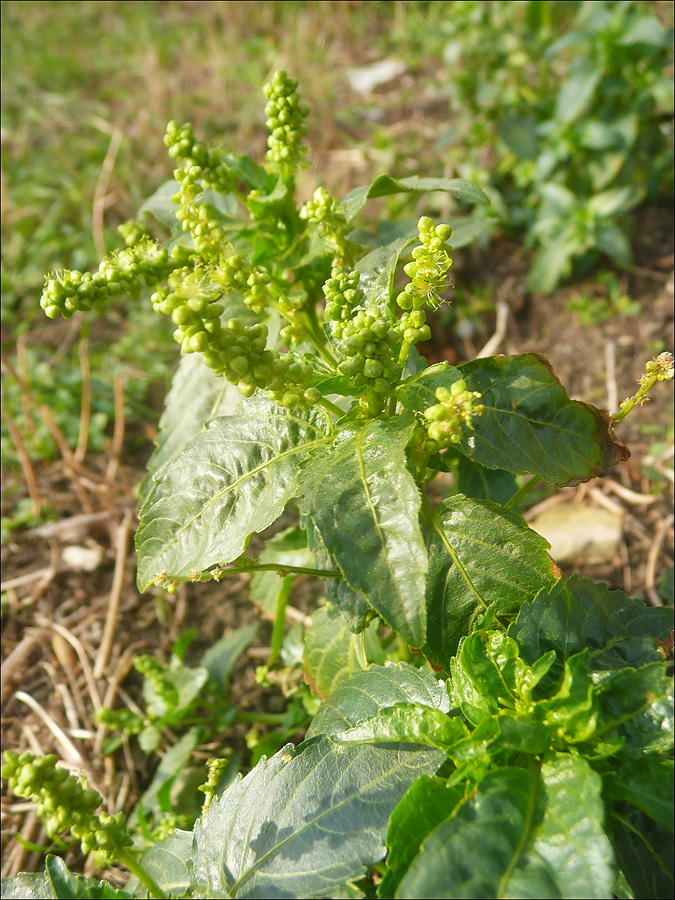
[[537, 719]]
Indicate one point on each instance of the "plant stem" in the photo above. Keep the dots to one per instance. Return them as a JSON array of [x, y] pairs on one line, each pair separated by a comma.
[[332, 407], [280, 618], [135, 867], [522, 492]]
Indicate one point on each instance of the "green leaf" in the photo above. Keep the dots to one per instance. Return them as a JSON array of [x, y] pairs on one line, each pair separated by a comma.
[[160, 206], [378, 687], [638, 704], [196, 395], [385, 185], [479, 483], [67, 886], [519, 133], [504, 565], [577, 92], [530, 426], [427, 802], [328, 654], [365, 505], [248, 171], [172, 763], [553, 262], [305, 821], [471, 853], [27, 886], [352, 605], [167, 862], [647, 784], [646, 30], [615, 201], [568, 854], [578, 613], [221, 658], [233, 479], [376, 272], [612, 240], [406, 723], [644, 851]]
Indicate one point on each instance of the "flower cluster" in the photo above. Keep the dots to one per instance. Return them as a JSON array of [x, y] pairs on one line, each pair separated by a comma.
[[328, 215], [456, 406], [63, 801], [367, 342], [125, 271], [428, 271], [286, 120], [343, 295]]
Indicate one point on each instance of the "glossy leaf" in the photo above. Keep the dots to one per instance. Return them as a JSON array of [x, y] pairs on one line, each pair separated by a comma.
[[232, 480], [305, 821], [504, 565], [577, 613], [426, 803], [385, 185], [378, 687], [568, 854], [647, 784], [376, 272], [58, 883], [644, 852], [167, 862], [196, 396], [365, 505], [328, 653], [406, 723], [353, 606], [469, 854], [479, 483]]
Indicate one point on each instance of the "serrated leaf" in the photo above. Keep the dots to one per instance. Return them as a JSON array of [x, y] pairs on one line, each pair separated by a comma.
[[376, 272], [27, 886], [221, 658], [427, 802], [503, 559], [644, 852], [568, 854], [406, 723], [378, 687], [167, 862], [288, 548], [469, 854], [530, 426], [353, 606], [385, 185], [647, 784], [305, 821], [638, 704], [196, 395], [328, 653], [68, 886], [232, 480], [365, 504], [577, 613]]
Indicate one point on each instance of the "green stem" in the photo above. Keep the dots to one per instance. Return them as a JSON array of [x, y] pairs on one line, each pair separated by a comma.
[[636, 400], [522, 492], [280, 619], [277, 567], [134, 866], [331, 407], [261, 718]]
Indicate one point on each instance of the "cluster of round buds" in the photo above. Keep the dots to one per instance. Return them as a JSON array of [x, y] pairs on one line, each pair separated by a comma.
[[151, 669], [343, 295], [198, 163], [63, 801], [286, 120], [328, 215], [124, 271], [367, 342], [208, 235], [456, 406], [132, 231], [662, 367], [235, 273], [427, 270]]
